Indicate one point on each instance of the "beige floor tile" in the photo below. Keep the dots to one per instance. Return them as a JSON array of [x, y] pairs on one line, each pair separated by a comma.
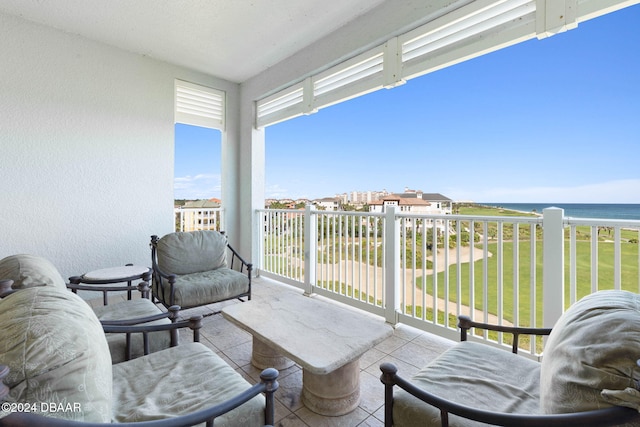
[[409, 349]]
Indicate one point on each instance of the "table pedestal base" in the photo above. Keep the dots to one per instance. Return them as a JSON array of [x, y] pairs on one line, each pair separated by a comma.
[[263, 357], [333, 394]]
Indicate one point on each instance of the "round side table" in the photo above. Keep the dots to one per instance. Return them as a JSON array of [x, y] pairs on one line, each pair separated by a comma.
[[127, 273]]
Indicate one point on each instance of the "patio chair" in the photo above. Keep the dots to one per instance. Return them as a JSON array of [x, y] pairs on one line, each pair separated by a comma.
[[588, 375], [192, 269], [58, 372]]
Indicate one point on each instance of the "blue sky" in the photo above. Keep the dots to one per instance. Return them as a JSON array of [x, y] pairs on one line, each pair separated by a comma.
[[552, 120]]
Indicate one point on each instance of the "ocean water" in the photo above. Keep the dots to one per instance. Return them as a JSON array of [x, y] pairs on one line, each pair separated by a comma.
[[579, 210]]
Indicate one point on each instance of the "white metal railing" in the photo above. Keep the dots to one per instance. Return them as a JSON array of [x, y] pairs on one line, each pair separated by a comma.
[[282, 234], [192, 219], [482, 267], [610, 244], [425, 270], [349, 261]]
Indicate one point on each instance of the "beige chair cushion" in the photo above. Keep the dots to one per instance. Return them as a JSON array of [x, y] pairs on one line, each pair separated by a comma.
[[56, 352], [179, 381], [472, 374], [593, 346], [131, 309], [30, 270], [192, 290], [192, 252]]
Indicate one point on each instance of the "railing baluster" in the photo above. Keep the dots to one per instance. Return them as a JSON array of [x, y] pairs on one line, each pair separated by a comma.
[[532, 286], [434, 276], [500, 272], [447, 296], [458, 268], [594, 258], [573, 280], [617, 259], [485, 274]]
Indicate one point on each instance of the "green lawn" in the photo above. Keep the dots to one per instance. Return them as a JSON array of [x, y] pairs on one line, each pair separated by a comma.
[[629, 254]]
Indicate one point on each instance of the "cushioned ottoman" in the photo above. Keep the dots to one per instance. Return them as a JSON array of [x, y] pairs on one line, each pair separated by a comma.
[[179, 381], [131, 309], [57, 353]]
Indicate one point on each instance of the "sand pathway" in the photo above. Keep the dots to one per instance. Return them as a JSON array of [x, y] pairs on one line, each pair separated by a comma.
[[358, 274]]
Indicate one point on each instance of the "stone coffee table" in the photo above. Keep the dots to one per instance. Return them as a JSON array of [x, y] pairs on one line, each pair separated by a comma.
[[324, 338]]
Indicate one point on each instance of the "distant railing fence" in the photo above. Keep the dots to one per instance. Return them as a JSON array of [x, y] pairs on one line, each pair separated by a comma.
[[424, 270]]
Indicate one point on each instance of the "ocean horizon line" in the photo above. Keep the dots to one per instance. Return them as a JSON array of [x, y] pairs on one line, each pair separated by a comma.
[[624, 211]]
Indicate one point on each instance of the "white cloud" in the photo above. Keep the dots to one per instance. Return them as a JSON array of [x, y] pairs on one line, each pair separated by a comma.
[[619, 191], [276, 192], [201, 186]]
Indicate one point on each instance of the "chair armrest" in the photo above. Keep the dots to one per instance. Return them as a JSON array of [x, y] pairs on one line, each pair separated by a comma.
[[465, 324], [194, 323], [601, 417], [162, 273], [243, 264], [268, 385]]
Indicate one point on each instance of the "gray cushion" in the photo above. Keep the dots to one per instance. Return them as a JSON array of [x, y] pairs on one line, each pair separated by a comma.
[[56, 352], [192, 252], [192, 290], [179, 381], [30, 270], [475, 375], [593, 346], [130, 309]]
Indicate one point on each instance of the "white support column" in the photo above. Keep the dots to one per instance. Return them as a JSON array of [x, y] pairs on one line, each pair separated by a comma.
[[230, 155], [253, 194], [392, 265], [552, 266], [310, 249], [243, 182]]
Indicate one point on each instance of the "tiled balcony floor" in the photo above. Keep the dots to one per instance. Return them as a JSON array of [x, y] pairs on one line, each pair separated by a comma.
[[408, 348]]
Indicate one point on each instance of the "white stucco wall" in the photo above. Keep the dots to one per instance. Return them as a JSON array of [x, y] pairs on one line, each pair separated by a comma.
[[86, 147]]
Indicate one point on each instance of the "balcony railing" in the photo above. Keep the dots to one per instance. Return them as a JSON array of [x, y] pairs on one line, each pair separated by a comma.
[[424, 270], [191, 219]]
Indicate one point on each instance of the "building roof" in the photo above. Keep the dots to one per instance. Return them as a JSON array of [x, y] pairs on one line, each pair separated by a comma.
[[208, 204], [402, 201], [432, 197]]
